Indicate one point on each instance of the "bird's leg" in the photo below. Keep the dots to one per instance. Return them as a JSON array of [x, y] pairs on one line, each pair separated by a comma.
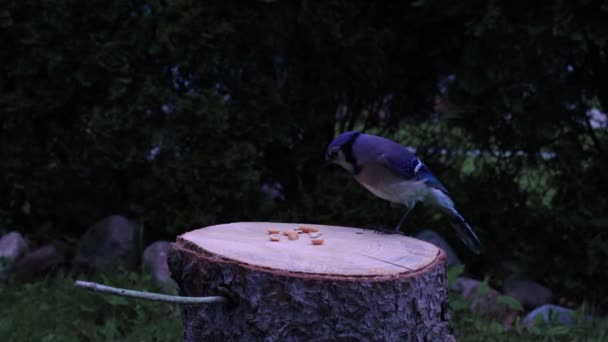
[[398, 227], [378, 228]]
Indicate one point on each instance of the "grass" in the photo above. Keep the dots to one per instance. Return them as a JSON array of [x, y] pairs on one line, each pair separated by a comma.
[[469, 327], [51, 309]]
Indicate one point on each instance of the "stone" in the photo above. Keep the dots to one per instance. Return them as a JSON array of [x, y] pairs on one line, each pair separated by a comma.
[[465, 286], [481, 302], [38, 261], [547, 312], [12, 246], [529, 293], [154, 260], [431, 236], [109, 243]]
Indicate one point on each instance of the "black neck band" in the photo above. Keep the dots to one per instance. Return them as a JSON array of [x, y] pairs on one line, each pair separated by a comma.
[[347, 149]]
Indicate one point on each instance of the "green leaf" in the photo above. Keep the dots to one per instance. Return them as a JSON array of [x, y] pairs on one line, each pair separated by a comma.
[[558, 330], [459, 304], [496, 328], [510, 302], [454, 272], [484, 288]]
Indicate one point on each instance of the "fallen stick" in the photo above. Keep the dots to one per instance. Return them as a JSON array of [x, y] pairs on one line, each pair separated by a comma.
[[149, 295]]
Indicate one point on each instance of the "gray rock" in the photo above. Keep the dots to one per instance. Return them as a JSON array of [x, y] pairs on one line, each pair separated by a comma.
[[431, 236], [465, 286], [38, 261], [547, 312], [154, 260], [12, 246], [530, 294], [109, 243], [481, 302]]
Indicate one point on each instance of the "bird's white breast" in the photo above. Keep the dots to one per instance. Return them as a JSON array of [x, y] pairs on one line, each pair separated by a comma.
[[386, 185]]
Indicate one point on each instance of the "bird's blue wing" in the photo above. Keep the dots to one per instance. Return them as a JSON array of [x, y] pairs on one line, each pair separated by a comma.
[[409, 167], [429, 178]]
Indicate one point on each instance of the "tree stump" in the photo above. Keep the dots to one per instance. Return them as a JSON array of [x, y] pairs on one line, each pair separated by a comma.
[[357, 286]]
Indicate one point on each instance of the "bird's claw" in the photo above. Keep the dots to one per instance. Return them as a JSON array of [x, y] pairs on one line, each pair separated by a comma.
[[380, 229]]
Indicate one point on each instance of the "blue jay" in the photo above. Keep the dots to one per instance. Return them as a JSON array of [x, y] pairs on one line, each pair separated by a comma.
[[391, 172]]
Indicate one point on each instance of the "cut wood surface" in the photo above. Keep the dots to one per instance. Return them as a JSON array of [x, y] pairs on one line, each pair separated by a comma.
[[357, 286], [345, 251]]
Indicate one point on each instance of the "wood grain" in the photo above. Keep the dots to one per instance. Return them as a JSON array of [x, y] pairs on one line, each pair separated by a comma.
[[354, 287], [346, 251]]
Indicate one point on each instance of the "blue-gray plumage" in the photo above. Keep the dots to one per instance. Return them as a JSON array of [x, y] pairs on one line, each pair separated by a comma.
[[391, 172]]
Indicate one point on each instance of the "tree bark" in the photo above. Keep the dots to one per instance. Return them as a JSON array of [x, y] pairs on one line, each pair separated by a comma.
[[356, 286]]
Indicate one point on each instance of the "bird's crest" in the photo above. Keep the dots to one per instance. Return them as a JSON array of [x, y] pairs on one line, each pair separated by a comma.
[[344, 138]]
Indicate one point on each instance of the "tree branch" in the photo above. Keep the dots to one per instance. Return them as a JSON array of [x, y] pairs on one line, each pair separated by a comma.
[[148, 295], [591, 132]]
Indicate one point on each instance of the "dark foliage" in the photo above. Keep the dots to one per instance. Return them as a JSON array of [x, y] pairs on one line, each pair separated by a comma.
[[178, 113]]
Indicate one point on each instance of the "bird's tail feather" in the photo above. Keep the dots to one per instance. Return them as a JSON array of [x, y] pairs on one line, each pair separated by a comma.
[[465, 232]]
